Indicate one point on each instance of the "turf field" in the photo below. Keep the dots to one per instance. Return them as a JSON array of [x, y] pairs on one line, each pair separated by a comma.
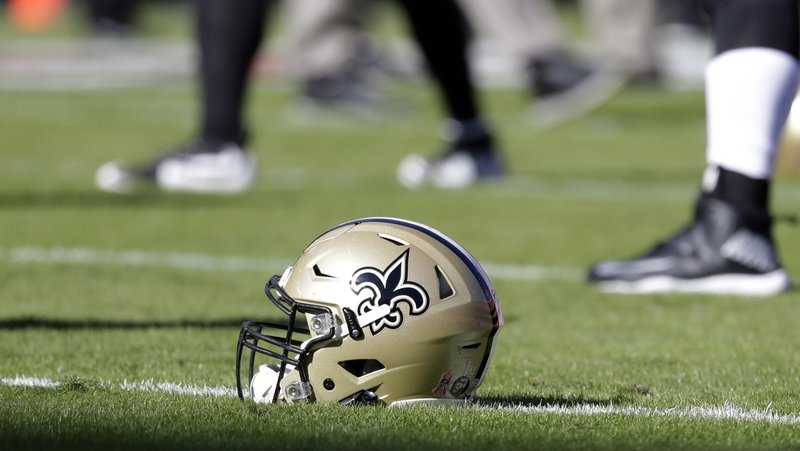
[[119, 315]]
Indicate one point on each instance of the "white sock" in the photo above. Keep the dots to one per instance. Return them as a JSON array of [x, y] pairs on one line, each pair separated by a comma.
[[748, 95]]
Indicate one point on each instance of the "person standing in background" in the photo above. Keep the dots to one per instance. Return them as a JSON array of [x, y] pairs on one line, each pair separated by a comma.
[[728, 246], [229, 35]]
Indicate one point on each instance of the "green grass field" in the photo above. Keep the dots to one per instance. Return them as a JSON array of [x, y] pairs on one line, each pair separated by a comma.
[[604, 186]]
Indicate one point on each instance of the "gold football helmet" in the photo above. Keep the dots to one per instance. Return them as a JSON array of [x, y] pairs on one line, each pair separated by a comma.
[[378, 310]]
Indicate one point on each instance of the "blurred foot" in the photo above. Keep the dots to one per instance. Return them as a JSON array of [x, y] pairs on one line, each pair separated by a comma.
[[565, 88], [720, 252], [343, 92], [110, 28], [199, 167], [468, 159]]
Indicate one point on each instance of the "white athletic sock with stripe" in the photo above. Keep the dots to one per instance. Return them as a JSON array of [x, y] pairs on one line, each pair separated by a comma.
[[748, 95]]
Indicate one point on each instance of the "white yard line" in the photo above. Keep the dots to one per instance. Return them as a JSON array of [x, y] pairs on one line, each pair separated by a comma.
[[532, 272], [208, 262], [527, 187], [28, 381], [724, 412], [177, 389], [177, 260], [171, 388]]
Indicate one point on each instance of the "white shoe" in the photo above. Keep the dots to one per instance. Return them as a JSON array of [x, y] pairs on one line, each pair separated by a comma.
[[454, 170], [113, 177], [231, 170], [412, 172], [197, 167]]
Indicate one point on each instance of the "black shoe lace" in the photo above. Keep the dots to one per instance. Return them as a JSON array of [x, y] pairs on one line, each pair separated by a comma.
[[673, 242]]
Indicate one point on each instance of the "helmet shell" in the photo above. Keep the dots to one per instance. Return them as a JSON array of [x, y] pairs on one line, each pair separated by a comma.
[[436, 341]]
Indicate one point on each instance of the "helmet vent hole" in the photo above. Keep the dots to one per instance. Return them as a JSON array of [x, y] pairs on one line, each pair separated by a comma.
[[392, 239], [445, 288], [318, 272], [471, 346], [328, 384], [361, 367]]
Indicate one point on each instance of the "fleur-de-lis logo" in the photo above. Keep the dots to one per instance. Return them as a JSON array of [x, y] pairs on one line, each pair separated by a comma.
[[389, 287]]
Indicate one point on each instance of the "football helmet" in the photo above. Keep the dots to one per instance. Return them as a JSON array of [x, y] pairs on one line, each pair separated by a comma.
[[375, 311]]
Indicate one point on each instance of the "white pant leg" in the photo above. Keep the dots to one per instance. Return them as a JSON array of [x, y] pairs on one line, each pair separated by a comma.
[[748, 95]]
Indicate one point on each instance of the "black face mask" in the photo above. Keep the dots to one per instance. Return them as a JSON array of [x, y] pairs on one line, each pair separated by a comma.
[[281, 342]]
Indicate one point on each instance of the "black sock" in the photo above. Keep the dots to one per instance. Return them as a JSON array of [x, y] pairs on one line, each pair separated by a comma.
[[748, 195], [441, 32], [470, 136], [229, 36]]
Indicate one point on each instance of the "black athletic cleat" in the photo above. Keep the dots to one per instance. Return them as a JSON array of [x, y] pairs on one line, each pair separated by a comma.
[[720, 252]]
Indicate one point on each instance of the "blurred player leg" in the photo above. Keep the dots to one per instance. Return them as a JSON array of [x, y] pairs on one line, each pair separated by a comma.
[[440, 30], [328, 44], [229, 37], [562, 84], [216, 161], [623, 31], [683, 45], [111, 17], [729, 246], [525, 28]]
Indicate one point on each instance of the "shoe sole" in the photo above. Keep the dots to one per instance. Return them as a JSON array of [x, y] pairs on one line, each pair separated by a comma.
[[206, 186], [760, 285]]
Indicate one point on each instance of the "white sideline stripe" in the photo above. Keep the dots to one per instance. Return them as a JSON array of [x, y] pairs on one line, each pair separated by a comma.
[[178, 260], [207, 262], [524, 187], [171, 388], [725, 412], [532, 272], [28, 381]]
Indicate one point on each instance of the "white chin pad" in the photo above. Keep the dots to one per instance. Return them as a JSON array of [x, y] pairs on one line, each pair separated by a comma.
[[264, 382]]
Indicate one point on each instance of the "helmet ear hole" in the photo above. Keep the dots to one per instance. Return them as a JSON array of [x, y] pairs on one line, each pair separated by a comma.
[[445, 287], [361, 367]]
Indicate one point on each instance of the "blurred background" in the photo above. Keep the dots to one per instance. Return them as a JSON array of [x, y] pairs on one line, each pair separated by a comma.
[[597, 107], [337, 100], [85, 44]]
